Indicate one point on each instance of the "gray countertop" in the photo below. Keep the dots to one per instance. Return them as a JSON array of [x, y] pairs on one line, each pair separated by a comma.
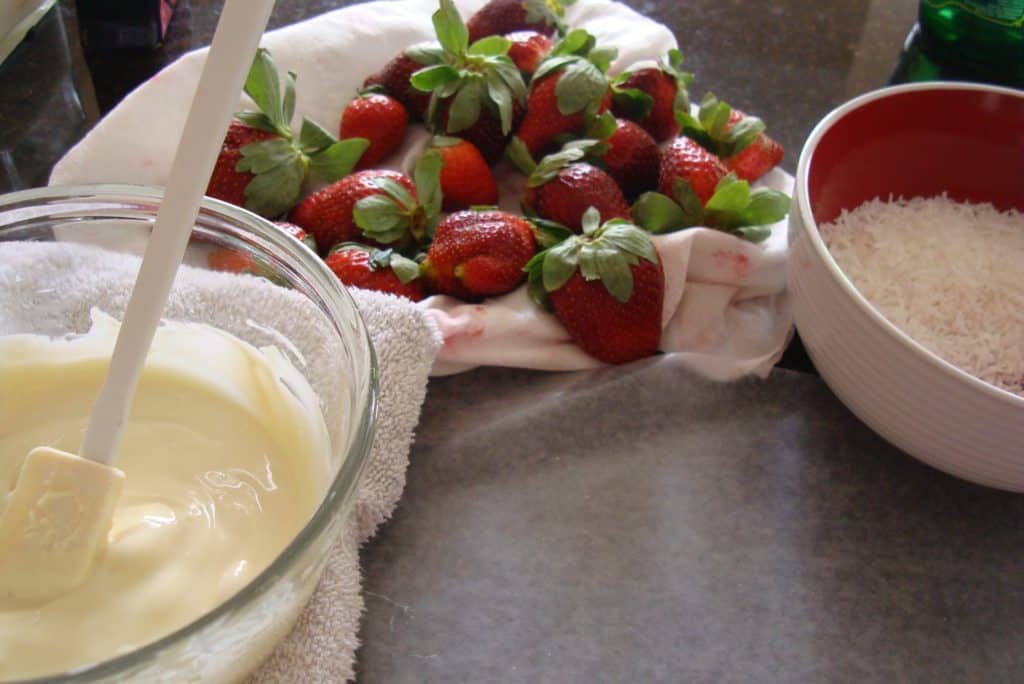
[[638, 523], [642, 524]]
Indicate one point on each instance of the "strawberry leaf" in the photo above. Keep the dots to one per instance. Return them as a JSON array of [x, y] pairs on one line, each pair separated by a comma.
[[465, 108], [519, 154], [450, 29], [549, 233], [288, 106], [264, 87], [550, 165], [614, 271], [629, 238], [405, 268], [425, 53], [731, 195], [688, 201], [338, 160], [560, 263], [380, 218], [502, 98], [766, 207], [275, 191], [602, 127], [754, 234], [534, 269], [590, 221], [576, 42], [588, 258], [741, 135], [397, 192], [550, 64], [603, 57], [427, 177], [490, 46], [634, 103], [580, 85], [313, 138], [260, 157], [430, 78], [256, 120], [511, 76], [657, 213]]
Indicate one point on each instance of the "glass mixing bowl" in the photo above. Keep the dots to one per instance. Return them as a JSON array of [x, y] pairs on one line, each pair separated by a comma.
[[319, 330]]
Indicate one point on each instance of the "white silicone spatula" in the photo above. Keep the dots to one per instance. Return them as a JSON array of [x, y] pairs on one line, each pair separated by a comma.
[[59, 514]]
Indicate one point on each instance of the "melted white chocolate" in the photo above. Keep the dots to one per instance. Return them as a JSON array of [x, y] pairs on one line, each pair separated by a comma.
[[225, 459]]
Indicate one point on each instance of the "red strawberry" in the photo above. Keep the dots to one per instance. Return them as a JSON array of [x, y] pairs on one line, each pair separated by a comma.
[[382, 270], [499, 17], [757, 158], [732, 135], [379, 118], [607, 287], [225, 182], [528, 49], [477, 254], [555, 107], [297, 233], [466, 179], [477, 96], [632, 159], [394, 79], [328, 213], [686, 160], [561, 188], [651, 93], [379, 206], [262, 165]]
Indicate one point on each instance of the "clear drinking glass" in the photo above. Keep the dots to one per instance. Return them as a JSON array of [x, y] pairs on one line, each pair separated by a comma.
[[320, 331]]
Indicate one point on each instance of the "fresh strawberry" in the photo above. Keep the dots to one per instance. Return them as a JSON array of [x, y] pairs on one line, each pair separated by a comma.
[[394, 79], [757, 158], [632, 159], [226, 183], [376, 205], [466, 179], [383, 270], [568, 88], [528, 49], [562, 187], [737, 139], [651, 93], [478, 254], [234, 261], [498, 17], [685, 160], [262, 164], [477, 93], [607, 287], [379, 118]]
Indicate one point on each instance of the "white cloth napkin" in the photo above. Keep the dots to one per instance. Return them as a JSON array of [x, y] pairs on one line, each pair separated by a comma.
[[51, 287], [725, 312]]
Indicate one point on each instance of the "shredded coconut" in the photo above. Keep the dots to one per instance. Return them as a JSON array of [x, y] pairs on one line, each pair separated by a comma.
[[948, 274]]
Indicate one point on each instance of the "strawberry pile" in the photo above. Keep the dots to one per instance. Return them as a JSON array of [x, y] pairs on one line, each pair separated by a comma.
[[607, 162]]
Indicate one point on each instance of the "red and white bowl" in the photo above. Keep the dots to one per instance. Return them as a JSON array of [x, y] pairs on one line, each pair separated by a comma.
[[913, 140]]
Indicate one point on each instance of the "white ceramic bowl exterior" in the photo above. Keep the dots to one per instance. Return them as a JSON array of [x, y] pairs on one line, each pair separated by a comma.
[[918, 402]]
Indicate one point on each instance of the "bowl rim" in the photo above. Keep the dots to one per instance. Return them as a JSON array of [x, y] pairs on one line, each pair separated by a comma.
[[810, 225], [340, 493]]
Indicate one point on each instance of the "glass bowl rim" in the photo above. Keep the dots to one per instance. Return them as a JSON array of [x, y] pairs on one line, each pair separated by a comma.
[[343, 486]]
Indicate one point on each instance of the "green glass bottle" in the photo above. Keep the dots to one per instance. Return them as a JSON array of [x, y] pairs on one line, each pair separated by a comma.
[[968, 40]]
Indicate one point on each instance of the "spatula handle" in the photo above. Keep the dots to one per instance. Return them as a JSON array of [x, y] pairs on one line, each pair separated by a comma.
[[234, 43]]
